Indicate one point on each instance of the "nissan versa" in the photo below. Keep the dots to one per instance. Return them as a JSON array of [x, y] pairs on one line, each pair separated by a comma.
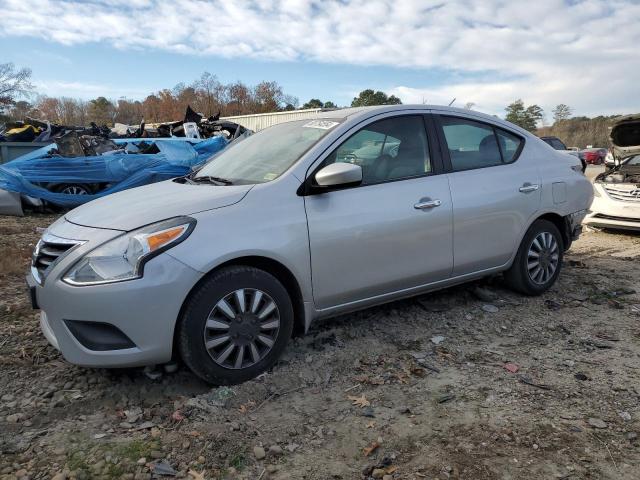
[[306, 219]]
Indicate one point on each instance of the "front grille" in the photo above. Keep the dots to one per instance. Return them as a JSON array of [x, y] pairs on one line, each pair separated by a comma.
[[47, 252], [626, 193]]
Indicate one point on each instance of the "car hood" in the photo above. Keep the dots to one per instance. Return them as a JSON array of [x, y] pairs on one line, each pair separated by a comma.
[[140, 206], [625, 136]]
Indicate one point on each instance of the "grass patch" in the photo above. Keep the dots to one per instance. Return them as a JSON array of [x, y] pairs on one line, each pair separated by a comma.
[[135, 449], [238, 461]]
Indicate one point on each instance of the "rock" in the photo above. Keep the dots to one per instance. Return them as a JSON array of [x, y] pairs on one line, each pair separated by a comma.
[[21, 473], [552, 304], [484, 294], [387, 477], [437, 339], [275, 450], [152, 373], [367, 412], [431, 306], [581, 376], [490, 308], [15, 418], [597, 423], [7, 397], [156, 454], [59, 476], [631, 436], [259, 453], [626, 416], [171, 367], [378, 473], [142, 461], [272, 468]]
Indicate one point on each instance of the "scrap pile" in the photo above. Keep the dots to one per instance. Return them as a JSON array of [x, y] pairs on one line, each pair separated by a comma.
[[83, 164], [32, 130], [194, 125]]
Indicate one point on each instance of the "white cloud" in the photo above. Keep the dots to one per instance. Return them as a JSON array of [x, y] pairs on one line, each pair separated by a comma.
[[56, 88], [583, 53]]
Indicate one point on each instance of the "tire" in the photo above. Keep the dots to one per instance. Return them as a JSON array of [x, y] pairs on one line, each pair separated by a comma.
[[73, 188], [216, 303], [530, 281]]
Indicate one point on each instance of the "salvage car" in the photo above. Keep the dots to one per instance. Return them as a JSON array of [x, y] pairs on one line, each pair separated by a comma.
[[616, 202], [220, 267], [77, 169]]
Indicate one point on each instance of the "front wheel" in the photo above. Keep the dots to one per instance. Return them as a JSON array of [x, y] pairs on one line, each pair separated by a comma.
[[538, 261], [235, 325], [73, 189]]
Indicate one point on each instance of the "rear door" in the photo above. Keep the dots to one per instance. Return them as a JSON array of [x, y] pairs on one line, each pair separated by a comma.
[[495, 190], [392, 232]]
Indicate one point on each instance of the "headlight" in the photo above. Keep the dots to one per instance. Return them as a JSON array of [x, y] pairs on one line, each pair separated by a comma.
[[123, 258]]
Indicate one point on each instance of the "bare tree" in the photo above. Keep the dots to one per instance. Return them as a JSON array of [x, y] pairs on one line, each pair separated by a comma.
[[13, 83], [561, 112]]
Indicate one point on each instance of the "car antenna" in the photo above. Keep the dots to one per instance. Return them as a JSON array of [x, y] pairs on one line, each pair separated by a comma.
[[451, 102]]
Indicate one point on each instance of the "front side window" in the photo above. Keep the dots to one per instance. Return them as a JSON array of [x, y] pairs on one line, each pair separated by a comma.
[[388, 149], [266, 155], [477, 145]]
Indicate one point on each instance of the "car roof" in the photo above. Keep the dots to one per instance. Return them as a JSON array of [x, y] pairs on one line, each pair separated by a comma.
[[361, 113]]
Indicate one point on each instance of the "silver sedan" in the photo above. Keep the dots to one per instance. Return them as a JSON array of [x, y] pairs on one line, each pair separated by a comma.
[[304, 220]]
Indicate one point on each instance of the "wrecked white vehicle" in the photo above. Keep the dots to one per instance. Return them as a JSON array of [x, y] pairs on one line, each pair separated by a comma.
[[616, 202]]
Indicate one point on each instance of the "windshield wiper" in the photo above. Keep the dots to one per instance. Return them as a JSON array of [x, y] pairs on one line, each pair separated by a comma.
[[210, 179]]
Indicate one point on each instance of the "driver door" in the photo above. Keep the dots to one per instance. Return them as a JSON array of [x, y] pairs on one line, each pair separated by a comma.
[[391, 233]]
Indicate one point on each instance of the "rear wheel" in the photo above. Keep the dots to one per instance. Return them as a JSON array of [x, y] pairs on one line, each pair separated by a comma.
[[538, 261], [235, 325]]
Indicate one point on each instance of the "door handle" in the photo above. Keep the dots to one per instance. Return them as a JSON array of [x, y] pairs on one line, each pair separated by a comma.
[[528, 187], [427, 204]]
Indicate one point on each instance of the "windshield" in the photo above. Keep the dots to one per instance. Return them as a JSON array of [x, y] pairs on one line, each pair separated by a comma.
[[268, 154], [633, 161]]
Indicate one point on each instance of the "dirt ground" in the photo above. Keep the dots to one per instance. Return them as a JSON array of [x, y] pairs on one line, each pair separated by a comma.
[[423, 388]]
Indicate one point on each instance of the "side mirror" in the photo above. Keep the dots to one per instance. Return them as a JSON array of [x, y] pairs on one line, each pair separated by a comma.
[[338, 174]]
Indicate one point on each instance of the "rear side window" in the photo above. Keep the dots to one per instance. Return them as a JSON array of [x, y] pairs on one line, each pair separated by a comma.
[[477, 145], [471, 144], [557, 144]]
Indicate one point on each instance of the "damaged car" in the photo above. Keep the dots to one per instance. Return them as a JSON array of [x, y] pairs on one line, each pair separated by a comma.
[[80, 168], [304, 220], [616, 202]]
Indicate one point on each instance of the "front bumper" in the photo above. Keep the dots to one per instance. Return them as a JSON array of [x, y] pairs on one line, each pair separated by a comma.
[[144, 310], [609, 213]]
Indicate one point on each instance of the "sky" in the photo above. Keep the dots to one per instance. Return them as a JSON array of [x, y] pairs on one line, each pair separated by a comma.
[[489, 52]]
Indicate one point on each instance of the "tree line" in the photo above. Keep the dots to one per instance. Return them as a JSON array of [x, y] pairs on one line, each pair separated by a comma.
[[209, 96], [573, 131], [205, 95]]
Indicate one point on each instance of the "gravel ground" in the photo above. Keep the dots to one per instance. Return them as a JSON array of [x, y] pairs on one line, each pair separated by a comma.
[[473, 382]]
